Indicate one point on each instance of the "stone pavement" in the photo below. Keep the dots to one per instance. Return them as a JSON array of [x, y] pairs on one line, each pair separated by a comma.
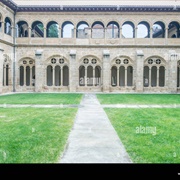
[[93, 139]]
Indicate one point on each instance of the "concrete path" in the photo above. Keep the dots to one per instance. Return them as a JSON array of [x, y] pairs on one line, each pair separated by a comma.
[[93, 139]]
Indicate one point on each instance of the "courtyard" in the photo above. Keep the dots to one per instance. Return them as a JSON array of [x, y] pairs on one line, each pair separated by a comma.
[[35, 127]]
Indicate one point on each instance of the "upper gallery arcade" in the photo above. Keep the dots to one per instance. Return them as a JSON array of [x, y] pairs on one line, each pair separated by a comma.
[[74, 46]]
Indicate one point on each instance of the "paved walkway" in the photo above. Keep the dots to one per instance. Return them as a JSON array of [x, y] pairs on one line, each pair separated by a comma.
[[93, 139]]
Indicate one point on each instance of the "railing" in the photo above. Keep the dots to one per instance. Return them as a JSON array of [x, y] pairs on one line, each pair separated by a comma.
[[90, 41]]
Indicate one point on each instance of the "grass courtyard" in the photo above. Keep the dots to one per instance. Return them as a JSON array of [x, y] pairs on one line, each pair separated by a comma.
[[139, 98], [35, 135], [39, 135], [41, 98], [149, 135]]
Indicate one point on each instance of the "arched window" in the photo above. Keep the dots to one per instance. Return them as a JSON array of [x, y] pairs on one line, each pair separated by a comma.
[[21, 74], [67, 30], [89, 76], [90, 71], [57, 73], [128, 30], [174, 30], [22, 29], [143, 30], [82, 30], [37, 29], [158, 30], [114, 76], [27, 72], [7, 26], [161, 76], [154, 76], [65, 76], [49, 75], [52, 29], [97, 76], [98, 30], [154, 72], [146, 76], [6, 71], [122, 72], [81, 76], [122, 76], [129, 76], [112, 30]]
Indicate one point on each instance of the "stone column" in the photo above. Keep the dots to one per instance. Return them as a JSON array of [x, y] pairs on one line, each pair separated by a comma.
[[117, 76], [125, 76], [120, 32], [1, 69], [73, 73], [166, 32], [135, 32], [61, 75], [74, 33], [149, 76], [60, 33], [25, 75], [105, 33], [106, 71], [53, 74], [151, 32], [94, 80], [157, 85], [45, 33], [85, 77], [139, 70], [172, 75], [30, 76], [39, 79]]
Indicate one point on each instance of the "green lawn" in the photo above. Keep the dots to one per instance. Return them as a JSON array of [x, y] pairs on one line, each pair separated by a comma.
[[149, 135], [139, 98], [31, 135], [41, 98]]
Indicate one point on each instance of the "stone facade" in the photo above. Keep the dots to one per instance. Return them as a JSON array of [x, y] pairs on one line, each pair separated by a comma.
[[100, 60]]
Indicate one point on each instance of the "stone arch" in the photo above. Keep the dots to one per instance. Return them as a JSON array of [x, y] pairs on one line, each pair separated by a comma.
[[154, 72], [125, 71], [7, 26], [57, 71], [26, 71], [113, 30], [174, 29], [67, 29], [22, 29], [158, 29], [97, 29], [143, 29], [90, 71], [128, 29], [37, 29], [6, 70], [52, 29], [82, 30]]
